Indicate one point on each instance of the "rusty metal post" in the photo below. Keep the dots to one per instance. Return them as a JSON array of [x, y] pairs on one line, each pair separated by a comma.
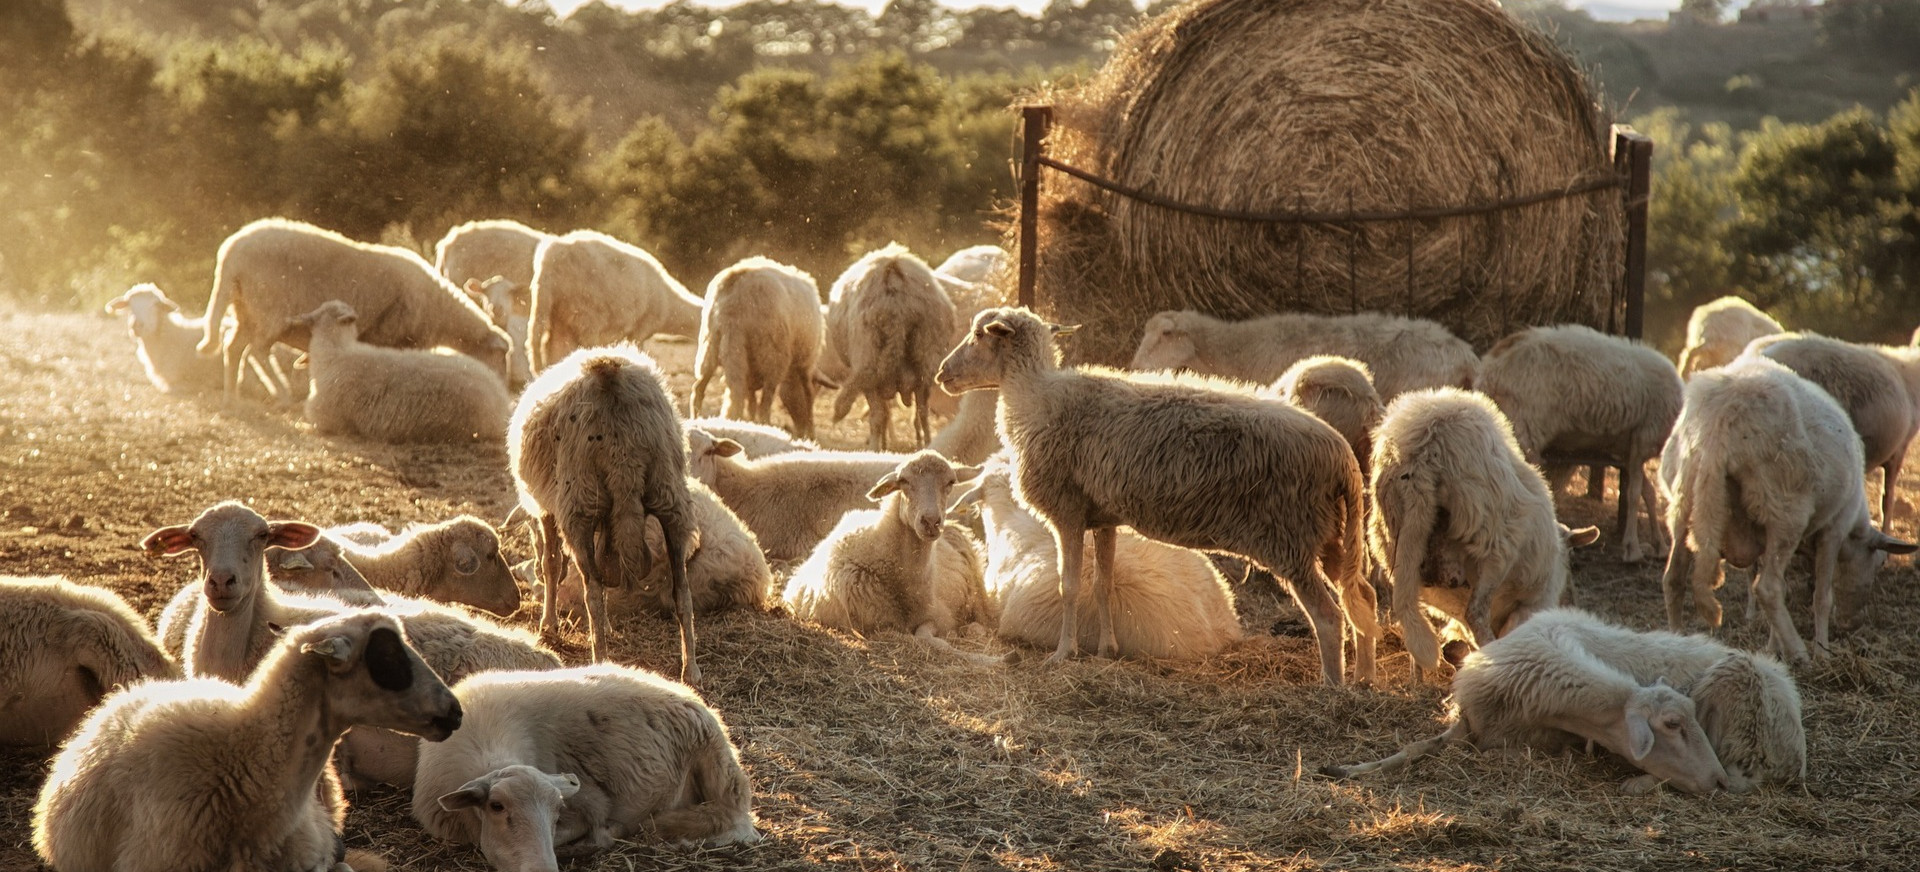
[[1635, 151], [1035, 122]]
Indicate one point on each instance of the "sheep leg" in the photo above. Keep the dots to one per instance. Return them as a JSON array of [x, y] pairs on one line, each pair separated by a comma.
[[1362, 606], [1410, 753], [1632, 475], [1650, 503], [1770, 580], [1493, 574], [1314, 593], [1706, 577], [1889, 477], [1409, 544], [1597, 482], [796, 395], [878, 419], [1103, 542], [682, 597], [922, 427], [1069, 536], [1679, 565], [740, 384], [1826, 556], [553, 571]]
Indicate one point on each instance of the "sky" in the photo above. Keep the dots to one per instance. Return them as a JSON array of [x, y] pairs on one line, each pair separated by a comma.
[[1605, 10]]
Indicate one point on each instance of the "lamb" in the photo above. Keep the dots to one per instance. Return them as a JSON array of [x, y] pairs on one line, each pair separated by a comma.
[[1543, 687], [454, 561], [1339, 391], [479, 250], [1167, 602], [976, 265], [138, 787], [1211, 469], [1404, 354], [725, 566], [592, 289], [63, 647], [1877, 386], [394, 394], [596, 449], [497, 296], [756, 440], [275, 270], [888, 323], [1718, 331], [1761, 464], [762, 323], [1572, 389], [762, 492], [166, 340], [577, 758], [902, 567]]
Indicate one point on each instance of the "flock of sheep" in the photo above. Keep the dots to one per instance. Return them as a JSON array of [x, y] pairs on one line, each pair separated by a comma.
[[1383, 473]]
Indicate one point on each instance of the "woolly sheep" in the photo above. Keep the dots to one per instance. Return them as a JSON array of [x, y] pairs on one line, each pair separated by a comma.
[[1877, 386], [497, 297], [969, 436], [172, 775], [762, 492], [274, 270], [888, 323], [592, 289], [596, 449], [756, 440], [1761, 464], [577, 758], [166, 340], [976, 265], [972, 278], [63, 647], [1541, 687], [396, 394], [1574, 390], [454, 561], [1404, 354], [1718, 331], [762, 324], [725, 566], [1339, 391], [1092, 448], [480, 250]]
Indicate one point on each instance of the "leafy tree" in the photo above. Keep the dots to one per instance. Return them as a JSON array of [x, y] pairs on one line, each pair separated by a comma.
[[1688, 217]]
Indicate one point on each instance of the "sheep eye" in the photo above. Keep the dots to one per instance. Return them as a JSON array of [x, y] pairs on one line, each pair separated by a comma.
[[496, 805]]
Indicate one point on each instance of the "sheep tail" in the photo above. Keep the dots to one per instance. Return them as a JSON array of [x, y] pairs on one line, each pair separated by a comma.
[[223, 288], [1409, 557], [539, 319], [705, 363], [720, 807]]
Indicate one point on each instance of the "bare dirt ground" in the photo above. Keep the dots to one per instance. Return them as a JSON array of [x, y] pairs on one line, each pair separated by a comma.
[[881, 754]]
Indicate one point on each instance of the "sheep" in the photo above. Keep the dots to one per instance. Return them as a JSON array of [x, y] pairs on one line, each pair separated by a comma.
[[1877, 386], [756, 440], [1543, 687], [888, 323], [1167, 602], [1210, 469], [1761, 464], [1339, 391], [577, 758], [396, 394], [321, 568], [205, 774], [762, 323], [969, 437], [1404, 354], [275, 270], [454, 561], [166, 340], [725, 566], [596, 449], [762, 492], [480, 250], [1718, 331], [592, 289], [63, 647], [976, 265], [497, 297], [1572, 389]]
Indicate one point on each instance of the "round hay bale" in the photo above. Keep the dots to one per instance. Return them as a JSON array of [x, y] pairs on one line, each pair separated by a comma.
[[1331, 106]]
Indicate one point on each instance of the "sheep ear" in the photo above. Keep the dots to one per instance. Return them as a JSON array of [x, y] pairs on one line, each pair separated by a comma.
[[166, 304], [470, 795], [337, 650], [887, 484], [1581, 537], [117, 304], [291, 534], [1884, 542], [1639, 736], [726, 448], [971, 495], [568, 784], [302, 362], [966, 473], [474, 289], [998, 327], [168, 541], [465, 561], [1063, 329]]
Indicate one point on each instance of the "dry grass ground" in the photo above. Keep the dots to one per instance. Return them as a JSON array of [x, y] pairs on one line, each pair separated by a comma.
[[881, 754]]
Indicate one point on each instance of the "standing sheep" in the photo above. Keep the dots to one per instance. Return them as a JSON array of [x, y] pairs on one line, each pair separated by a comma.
[[762, 492], [394, 394], [479, 250], [1339, 391], [596, 449], [1877, 386], [1718, 331], [454, 561], [888, 323], [1214, 470], [762, 323], [592, 289], [725, 566], [63, 647], [1404, 354]]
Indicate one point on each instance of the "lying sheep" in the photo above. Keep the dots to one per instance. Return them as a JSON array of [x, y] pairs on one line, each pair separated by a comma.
[[899, 568], [1877, 386], [762, 324], [1404, 354], [592, 289], [577, 758], [1718, 331], [1092, 448], [976, 265], [725, 566], [274, 270], [763, 492], [1574, 390], [498, 297], [1339, 391], [480, 250], [888, 323], [1542, 687], [1167, 602], [173, 775], [1761, 464], [969, 437], [454, 561], [321, 568], [756, 440], [596, 450], [63, 647], [166, 340], [394, 394]]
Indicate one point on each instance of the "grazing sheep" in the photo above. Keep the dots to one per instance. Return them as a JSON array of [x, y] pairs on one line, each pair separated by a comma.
[[1339, 391], [763, 492], [1574, 390], [454, 561], [1877, 386], [1404, 354], [479, 250], [1542, 687], [274, 270], [204, 774], [1211, 469], [592, 289], [166, 340], [762, 323], [756, 440], [395, 394], [888, 323], [976, 265], [596, 449], [725, 566], [577, 758], [63, 647], [1718, 331], [497, 296], [1167, 602]]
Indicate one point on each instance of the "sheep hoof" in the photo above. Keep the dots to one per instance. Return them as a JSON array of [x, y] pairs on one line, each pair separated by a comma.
[[1056, 658], [1640, 785]]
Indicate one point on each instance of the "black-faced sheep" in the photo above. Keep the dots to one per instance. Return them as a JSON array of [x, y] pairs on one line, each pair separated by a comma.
[[761, 492], [592, 289], [763, 325], [1404, 354], [888, 323], [396, 394], [1877, 386], [1718, 331], [64, 647], [454, 561]]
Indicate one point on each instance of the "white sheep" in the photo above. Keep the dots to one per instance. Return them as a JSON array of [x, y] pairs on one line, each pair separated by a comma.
[[975, 265], [592, 289], [1404, 354], [1761, 464], [576, 758], [453, 561], [763, 492], [1214, 469], [725, 566], [1572, 390], [888, 323], [1718, 331], [902, 567], [596, 449], [1339, 391], [1541, 687], [969, 436], [498, 297], [172, 775], [1167, 602], [756, 440], [480, 250], [762, 324], [274, 270], [1877, 386], [396, 394], [63, 647], [166, 340]]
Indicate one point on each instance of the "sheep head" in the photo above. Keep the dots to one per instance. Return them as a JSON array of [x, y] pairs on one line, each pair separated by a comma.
[[924, 481], [706, 453], [1002, 341], [232, 542], [1658, 731], [494, 296], [1861, 555], [375, 677], [519, 809], [334, 318], [146, 306], [1167, 342], [476, 573]]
